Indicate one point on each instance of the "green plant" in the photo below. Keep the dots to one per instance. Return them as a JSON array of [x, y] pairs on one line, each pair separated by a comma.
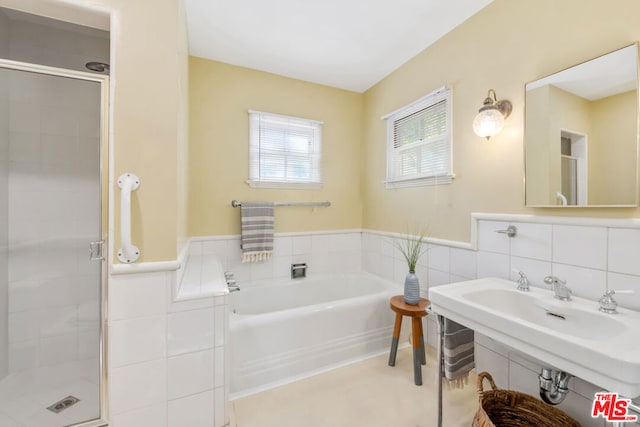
[[412, 246]]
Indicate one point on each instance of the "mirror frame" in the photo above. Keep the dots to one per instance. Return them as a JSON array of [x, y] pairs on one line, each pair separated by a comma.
[[635, 204]]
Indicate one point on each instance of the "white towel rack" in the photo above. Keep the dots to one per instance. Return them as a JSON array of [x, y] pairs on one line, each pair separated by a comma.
[[127, 253]]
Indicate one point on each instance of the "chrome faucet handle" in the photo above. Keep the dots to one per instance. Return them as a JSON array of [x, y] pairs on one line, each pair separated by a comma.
[[552, 280], [560, 288], [608, 304], [523, 282]]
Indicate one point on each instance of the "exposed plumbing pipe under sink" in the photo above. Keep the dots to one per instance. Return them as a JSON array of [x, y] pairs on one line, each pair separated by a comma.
[[553, 390]]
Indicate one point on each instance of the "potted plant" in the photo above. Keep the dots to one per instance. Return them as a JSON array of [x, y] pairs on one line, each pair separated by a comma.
[[412, 247]]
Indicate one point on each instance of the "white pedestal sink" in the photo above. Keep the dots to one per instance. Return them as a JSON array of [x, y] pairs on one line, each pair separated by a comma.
[[573, 336]]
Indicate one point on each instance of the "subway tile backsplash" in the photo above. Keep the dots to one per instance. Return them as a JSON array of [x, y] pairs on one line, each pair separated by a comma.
[[581, 246], [590, 258], [323, 252], [624, 247]]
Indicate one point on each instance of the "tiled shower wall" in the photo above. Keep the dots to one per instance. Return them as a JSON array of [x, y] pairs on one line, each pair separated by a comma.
[[54, 207], [53, 199]]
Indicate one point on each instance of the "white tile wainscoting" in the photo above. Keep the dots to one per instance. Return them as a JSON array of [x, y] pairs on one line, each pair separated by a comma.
[[324, 252], [166, 359]]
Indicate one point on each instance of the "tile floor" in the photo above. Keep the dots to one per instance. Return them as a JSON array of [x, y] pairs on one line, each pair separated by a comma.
[[25, 396], [368, 393]]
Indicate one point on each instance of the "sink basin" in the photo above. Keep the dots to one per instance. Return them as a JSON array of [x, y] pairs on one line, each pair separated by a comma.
[[546, 311], [573, 336]]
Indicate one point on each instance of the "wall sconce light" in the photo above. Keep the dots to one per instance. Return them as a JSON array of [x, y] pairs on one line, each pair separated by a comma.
[[490, 118]]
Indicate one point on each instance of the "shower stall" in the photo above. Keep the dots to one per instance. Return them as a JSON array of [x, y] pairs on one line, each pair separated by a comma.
[[52, 222]]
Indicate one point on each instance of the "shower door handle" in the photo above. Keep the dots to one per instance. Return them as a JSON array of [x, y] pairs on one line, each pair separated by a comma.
[[95, 250]]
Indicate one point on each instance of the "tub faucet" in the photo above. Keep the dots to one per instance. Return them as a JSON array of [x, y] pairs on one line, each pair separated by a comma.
[[231, 281], [562, 292], [523, 282]]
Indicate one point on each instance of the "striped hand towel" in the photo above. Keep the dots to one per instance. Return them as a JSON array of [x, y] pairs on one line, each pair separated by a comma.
[[458, 353], [257, 222]]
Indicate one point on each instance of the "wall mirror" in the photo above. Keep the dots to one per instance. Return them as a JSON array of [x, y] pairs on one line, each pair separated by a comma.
[[581, 134]]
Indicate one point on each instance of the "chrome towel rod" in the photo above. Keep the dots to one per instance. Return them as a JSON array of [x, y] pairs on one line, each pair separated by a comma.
[[237, 204]]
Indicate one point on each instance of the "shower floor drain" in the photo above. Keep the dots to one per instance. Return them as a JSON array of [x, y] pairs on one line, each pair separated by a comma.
[[63, 404]]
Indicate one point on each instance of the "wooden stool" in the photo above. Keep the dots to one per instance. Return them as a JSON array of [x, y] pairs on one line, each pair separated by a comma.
[[416, 312]]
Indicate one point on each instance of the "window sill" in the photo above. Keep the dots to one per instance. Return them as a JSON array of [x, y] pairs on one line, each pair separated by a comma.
[[285, 185], [420, 182]]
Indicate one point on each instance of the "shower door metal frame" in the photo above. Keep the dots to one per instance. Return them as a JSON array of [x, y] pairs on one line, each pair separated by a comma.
[[105, 178]]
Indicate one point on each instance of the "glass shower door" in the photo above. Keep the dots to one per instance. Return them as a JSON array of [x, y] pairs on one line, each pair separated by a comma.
[[50, 211]]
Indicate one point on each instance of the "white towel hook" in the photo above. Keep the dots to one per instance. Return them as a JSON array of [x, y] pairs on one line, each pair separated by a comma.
[[128, 253]]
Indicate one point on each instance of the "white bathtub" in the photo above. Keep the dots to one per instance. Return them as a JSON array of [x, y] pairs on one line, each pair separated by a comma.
[[291, 329]]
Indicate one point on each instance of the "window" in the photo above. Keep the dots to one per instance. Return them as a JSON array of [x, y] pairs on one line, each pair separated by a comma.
[[284, 151], [419, 142]]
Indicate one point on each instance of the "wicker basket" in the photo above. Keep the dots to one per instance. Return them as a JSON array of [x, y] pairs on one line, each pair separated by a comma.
[[507, 408]]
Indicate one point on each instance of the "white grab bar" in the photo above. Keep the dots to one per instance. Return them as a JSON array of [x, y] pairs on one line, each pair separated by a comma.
[[127, 253]]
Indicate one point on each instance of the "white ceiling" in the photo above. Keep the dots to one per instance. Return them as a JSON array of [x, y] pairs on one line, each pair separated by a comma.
[[607, 75], [349, 44]]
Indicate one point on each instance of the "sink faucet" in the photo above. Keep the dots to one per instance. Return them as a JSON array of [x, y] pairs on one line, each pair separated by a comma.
[[608, 304], [559, 288]]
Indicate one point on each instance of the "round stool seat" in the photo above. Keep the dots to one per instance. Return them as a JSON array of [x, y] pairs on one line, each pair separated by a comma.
[[399, 306]]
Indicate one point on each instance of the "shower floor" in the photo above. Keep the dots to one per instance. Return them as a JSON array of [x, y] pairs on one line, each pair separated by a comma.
[[25, 396]]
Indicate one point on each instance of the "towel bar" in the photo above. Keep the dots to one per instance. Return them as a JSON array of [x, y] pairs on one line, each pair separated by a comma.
[[237, 204]]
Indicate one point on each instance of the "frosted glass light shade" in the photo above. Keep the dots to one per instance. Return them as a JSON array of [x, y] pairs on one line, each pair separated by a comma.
[[488, 123]]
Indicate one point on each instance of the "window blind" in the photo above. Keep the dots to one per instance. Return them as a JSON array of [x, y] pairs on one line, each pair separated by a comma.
[[284, 150], [419, 139]]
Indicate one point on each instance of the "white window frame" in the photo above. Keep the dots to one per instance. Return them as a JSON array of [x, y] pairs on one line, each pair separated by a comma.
[[256, 180], [446, 176]]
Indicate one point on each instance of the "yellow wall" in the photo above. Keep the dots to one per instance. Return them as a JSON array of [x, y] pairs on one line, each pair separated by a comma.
[[220, 97], [612, 145], [610, 126], [502, 47], [147, 102], [566, 112], [148, 76], [538, 147], [183, 129]]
